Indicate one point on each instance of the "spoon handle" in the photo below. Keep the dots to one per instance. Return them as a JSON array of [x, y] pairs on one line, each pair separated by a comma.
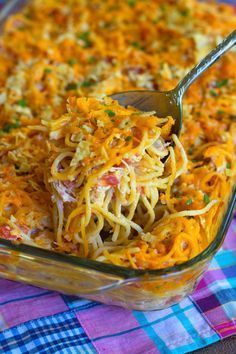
[[205, 63]]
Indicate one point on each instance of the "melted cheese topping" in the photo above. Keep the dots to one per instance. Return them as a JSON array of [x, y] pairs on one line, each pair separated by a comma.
[[72, 172]]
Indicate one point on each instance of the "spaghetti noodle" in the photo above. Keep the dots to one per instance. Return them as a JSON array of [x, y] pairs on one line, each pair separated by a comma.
[[106, 172], [81, 174]]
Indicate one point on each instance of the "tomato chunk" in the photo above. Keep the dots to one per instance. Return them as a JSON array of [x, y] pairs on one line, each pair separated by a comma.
[[109, 180], [5, 232]]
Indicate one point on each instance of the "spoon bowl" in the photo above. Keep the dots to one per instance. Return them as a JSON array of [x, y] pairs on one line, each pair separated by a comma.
[[169, 103], [165, 103]]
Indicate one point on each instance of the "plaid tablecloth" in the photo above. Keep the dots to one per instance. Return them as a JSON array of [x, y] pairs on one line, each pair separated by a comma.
[[34, 320]]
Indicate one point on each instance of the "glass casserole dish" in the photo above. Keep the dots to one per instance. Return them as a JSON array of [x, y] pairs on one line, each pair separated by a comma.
[[130, 288]]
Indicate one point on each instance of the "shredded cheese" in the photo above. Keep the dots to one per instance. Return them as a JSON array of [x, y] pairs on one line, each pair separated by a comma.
[[82, 175]]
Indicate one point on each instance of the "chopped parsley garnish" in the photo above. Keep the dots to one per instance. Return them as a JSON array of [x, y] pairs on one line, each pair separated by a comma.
[[47, 70], [137, 45], [128, 138], [72, 61], [10, 126], [22, 103], [110, 112], [184, 12], [228, 165], [190, 150], [87, 83], [178, 194], [220, 112], [206, 199], [131, 3], [222, 82], [213, 93], [85, 37], [91, 60], [72, 86], [189, 201]]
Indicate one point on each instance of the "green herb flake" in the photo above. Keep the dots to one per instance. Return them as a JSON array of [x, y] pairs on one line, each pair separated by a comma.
[[9, 127], [110, 112], [190, 150], [136, 45], [91, 60], [128, 138], [222, 83], [206, 199], [22, 103], [85, 37], [131, 3], [72, 61], [184, 12], [220, 112], [72, 86], [189, 201], [87, 83], [213, 93], [47, 70], [228, 165], [178, 195]]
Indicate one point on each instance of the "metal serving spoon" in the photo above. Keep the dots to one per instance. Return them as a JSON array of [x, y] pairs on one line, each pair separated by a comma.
[[169, 103]]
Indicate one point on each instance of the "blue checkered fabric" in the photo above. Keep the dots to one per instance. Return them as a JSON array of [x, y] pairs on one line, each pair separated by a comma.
[[60, 333]]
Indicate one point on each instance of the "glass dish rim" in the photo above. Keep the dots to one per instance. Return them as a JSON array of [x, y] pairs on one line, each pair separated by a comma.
[[105, 268]]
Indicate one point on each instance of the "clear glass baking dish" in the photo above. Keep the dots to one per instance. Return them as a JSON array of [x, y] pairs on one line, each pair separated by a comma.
[[129, 288]]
